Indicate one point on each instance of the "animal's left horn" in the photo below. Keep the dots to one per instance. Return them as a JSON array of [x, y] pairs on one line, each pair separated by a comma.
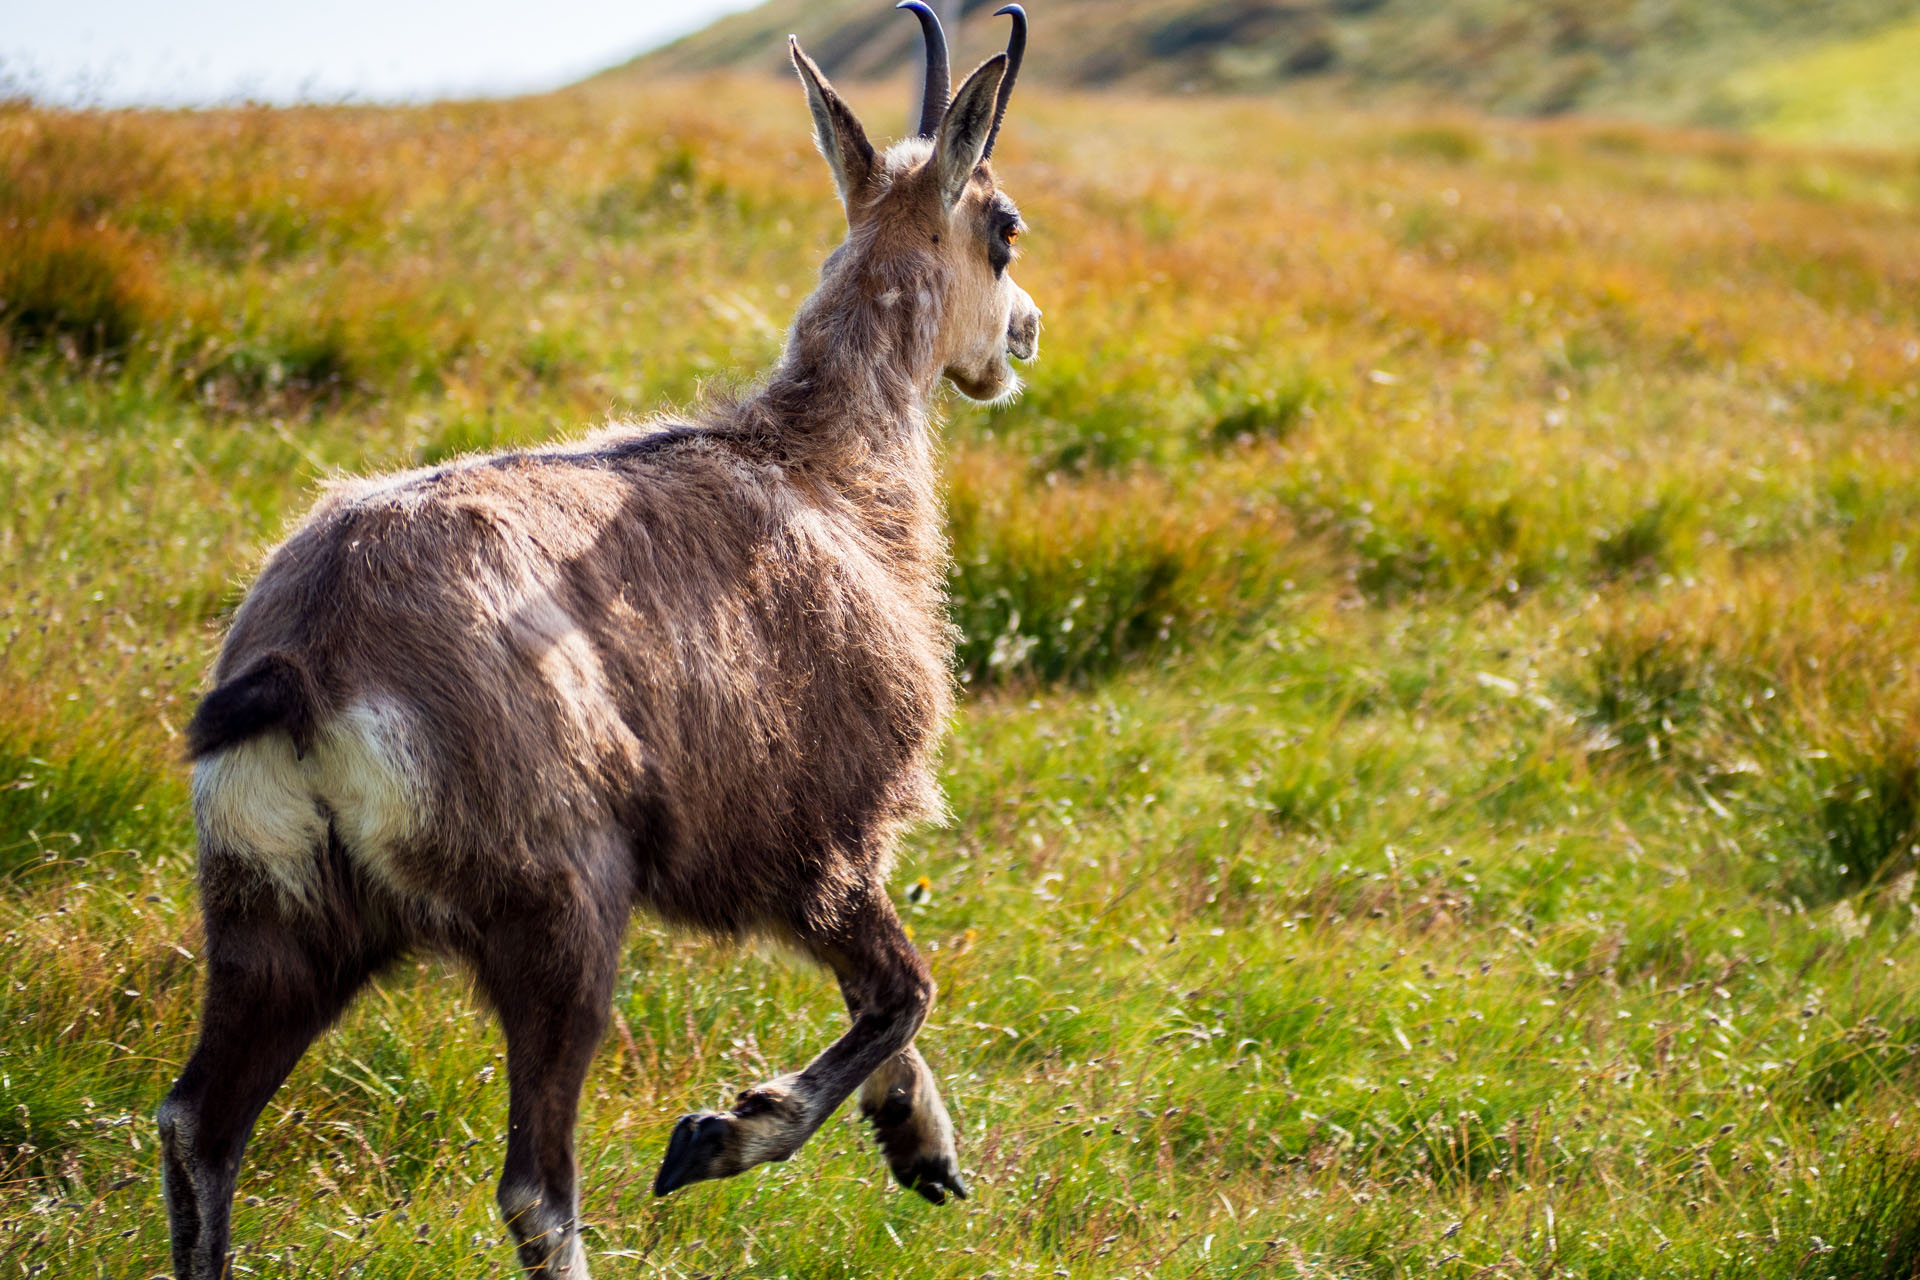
[[933, 102], [1016, 50]]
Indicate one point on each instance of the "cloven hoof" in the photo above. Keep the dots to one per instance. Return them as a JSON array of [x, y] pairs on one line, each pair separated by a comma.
[[695, 1148], [935, 1178]]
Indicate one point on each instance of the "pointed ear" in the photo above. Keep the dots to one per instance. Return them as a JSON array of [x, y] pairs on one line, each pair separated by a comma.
[[836, 131], [964, 133]]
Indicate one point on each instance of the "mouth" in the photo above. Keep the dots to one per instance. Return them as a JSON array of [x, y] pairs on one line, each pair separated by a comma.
[[995, 384]]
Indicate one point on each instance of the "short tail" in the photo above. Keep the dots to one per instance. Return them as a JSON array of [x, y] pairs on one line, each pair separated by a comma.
[[275, 692]]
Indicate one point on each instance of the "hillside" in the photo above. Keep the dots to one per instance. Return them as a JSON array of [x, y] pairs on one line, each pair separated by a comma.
[[1435, 786], [1683, 62]]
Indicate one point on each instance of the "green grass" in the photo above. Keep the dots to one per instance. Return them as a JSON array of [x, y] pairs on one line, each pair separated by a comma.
[[1435, 792], [1856, 91]]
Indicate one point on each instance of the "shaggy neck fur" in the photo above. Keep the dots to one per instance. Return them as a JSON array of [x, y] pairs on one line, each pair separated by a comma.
[[847, 405], [859, 365]]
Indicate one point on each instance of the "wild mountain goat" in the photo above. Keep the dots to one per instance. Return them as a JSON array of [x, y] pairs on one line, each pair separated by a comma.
[[489, 707]]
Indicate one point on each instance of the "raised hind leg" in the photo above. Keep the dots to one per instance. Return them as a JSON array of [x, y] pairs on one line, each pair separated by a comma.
[[887, 986], [277, 976], [911, 1124], [550, 976]]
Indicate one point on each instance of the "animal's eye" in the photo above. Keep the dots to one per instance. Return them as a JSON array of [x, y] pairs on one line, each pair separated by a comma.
[[1000, 248]]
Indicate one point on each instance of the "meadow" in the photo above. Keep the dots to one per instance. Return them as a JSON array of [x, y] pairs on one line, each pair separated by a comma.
[[1438, 780]]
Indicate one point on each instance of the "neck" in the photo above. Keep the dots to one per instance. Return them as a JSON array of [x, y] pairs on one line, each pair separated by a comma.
[[846, 409], [857, 375]]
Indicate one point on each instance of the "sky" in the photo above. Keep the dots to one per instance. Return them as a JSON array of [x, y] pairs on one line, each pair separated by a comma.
[[203, 52]]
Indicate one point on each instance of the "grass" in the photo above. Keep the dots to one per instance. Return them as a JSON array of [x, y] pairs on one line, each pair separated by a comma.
[[1854, 91], [1435, 793]]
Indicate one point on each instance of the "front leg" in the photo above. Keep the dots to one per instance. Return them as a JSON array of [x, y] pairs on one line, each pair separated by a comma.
[[766, 1124], [887, 982], [911, 1125]]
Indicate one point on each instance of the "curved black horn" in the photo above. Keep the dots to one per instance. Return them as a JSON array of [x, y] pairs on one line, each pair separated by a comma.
[[1016, 50], [933, 103]]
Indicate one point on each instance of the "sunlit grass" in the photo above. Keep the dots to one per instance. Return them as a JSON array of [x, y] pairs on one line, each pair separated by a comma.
[[1437, 788], [1857, 91]]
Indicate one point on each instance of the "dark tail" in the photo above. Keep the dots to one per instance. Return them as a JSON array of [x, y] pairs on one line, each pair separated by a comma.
[[274, 693]]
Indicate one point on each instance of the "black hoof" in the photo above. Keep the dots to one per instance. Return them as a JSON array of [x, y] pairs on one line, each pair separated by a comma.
[[691, 1152], [935, 1180]]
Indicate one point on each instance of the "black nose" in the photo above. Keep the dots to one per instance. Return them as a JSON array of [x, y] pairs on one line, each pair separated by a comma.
[[1023, 335]]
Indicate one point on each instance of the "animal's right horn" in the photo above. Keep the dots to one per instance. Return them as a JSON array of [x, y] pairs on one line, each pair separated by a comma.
[[1016, 50], [933, 101]]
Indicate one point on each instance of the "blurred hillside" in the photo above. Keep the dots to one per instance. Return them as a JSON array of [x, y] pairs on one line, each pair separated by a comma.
[[1836, 71]]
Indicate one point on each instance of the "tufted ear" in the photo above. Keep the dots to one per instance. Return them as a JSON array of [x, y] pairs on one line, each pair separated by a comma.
[[836, 131], [965, 132]]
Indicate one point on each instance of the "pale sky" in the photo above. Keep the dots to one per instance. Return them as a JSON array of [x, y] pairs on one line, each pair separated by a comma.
[[201, 52]]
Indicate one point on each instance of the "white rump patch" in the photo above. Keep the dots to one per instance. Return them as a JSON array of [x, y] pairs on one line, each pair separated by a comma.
[[253, 801], [257, 802], [366, 768]]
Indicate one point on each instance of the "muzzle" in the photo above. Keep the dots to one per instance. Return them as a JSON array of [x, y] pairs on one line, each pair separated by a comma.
[[1023, 334]]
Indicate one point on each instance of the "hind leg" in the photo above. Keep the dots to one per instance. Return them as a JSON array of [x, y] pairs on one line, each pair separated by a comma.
[[886, 982], [550, 976], [911, 1124], [277, 976]]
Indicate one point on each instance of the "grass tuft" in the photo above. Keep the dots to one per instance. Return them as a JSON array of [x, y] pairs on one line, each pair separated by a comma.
[[1069, 579], [1272, 413], [59, 811], [1649, 542], [88, 286], [1854, 810], [1861, 1222], [1452, 143]]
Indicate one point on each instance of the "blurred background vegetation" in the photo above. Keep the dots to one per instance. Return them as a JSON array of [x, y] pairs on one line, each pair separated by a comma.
[[1439, 780], [1837, 71]]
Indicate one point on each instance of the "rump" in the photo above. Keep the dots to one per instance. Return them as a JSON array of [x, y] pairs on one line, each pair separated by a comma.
[[265, 805]]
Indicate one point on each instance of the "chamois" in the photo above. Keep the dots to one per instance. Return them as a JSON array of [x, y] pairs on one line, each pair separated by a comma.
[[700, 667]]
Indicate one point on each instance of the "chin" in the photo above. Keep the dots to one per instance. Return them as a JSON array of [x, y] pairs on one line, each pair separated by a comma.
[[996, 384]]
